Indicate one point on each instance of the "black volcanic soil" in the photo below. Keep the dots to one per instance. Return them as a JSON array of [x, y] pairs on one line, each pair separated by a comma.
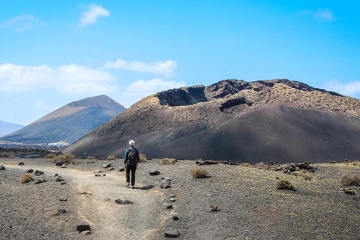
[[250, 206]]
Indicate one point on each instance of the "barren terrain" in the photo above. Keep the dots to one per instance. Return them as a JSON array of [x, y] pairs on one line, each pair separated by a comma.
[[250, 206]]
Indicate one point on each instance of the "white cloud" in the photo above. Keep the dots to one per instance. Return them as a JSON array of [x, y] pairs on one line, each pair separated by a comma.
[[68, 79], [165, 68], [21, 23], [91, 15], [323, 14], [143, 88], [42, 105], [349, 89]]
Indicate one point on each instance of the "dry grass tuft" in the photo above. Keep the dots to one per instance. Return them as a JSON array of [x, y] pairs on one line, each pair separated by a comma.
[[142, 158], [350, 180], [168, 161], [214, 208], [199, 173], [302, 174], [66, 158], [26, 177], [245, 164], [284, 185], [50, 155], [262, 165], [111, 157]]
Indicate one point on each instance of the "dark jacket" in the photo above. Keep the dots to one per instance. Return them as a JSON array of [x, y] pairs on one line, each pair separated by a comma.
[[127, 153]]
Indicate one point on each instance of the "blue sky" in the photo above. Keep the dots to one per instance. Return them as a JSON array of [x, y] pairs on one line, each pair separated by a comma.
[[55, 52]]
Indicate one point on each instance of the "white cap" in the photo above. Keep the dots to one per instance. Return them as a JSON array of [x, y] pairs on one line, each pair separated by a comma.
[[131, 142]]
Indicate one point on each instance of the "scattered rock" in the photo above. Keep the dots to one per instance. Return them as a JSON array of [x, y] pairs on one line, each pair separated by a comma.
[[165, 183], [60, 179], [332, 161], [38, 173], [40, 181], [121, 169], [104, 175], [349, 191], [87, 232], [169, 206], [29, 171], [61, 211], [2, 167], [172, 233], [97, 175], [21, 163], [83, 227], [62, 183], [59, 163], [85, 193], [175, 218], [107, 165], [55, 175], [172, 199], [63, 166], [119, 201], [214, 208], [111, 168], [154, 172], [62, 199]]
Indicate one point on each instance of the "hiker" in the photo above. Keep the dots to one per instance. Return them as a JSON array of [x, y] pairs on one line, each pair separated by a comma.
[[131, 160]]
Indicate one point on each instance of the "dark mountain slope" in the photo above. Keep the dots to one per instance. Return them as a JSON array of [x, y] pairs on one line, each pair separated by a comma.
[[277, 120], [70, 122]]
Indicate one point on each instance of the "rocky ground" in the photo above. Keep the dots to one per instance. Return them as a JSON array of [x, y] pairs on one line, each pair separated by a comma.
[[249, 205]]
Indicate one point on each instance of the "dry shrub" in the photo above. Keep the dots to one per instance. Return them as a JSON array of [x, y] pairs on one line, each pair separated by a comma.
[[50, 155], [111, 157], [285, 185], [11, 156], [245, 164], [214, 208], [26, 177], [168, 161], [199, 173], [66, 158], [262, 165], [302, 174], [350, 180], [142, 158]]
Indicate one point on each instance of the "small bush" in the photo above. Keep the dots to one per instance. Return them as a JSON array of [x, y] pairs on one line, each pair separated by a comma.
[[350, 180], [50, 155], [245, 164], [199, 173], [142, 158], [26, 177], [285, 185], [214, 208], [168, 161], [302, 174], [262, 165], [66, 158], [111, 157]]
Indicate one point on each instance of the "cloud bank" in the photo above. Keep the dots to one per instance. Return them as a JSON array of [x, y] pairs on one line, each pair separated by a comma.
[[21, 23], [68, 79], [322, 14], [348, 89], [165, 68], [92, 14]]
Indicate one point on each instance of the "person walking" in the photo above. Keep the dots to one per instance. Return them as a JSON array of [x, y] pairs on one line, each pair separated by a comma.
[[131, 160]]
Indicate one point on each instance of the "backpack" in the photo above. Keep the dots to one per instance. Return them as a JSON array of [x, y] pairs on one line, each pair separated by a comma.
[[132, 157]]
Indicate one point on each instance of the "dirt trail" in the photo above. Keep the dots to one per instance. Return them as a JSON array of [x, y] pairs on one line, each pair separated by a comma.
[[144, 219]]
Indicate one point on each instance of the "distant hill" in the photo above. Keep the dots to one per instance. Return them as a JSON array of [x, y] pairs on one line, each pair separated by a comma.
[[271, 121], [7, 128], [68, 123]]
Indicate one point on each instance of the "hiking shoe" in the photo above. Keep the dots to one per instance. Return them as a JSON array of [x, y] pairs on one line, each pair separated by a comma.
[[132, 186]]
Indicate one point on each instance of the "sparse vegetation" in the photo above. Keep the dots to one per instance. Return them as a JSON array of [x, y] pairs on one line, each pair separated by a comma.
[[142, 158], [50, 155], [262, 165], [214, 208], [66, 158], [168, 161], [199, 173], [26, 177], [245, 164], [111, 157], [284, 185], [302, 174], [350, 180]]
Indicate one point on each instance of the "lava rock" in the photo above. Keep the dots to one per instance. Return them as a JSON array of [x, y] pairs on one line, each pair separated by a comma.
[[107, 165], [29, 171], [59, 163], [21, 163], [172, 233], [165, 183], [87, 232], [169, 206], [62, 199], [38, 173], [60, 179], [175, 218], [121, 169], [154, 172], [119, 201], [172, 199], [2, 167], [83, 227]]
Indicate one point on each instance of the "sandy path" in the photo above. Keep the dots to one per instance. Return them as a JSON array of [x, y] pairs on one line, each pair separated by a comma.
[[142, 220]]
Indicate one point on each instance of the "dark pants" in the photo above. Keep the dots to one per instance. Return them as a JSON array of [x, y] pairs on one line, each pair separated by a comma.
[[131, 169]]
